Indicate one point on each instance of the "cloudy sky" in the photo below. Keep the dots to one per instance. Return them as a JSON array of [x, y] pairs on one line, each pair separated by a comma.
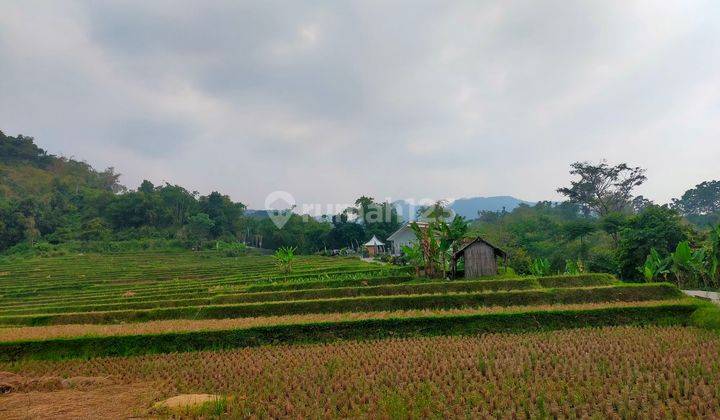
[[330, 100]]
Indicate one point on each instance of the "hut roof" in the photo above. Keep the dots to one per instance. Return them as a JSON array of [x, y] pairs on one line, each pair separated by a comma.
[[498, 252], [406, 226], [374, 242]]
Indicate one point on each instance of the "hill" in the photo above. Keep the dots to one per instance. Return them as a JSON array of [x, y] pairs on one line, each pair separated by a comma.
[[27, 171], [467, 207]]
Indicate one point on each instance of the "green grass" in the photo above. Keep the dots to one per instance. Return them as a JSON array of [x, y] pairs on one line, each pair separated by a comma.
[[404, 288], [147, 286], [624, 292], [527, 320]]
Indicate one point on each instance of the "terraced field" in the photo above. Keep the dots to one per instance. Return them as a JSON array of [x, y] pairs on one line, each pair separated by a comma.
[[120, 310]]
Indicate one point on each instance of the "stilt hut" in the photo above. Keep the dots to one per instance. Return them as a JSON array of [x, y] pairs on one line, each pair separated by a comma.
[[480, 258], [374, 246]]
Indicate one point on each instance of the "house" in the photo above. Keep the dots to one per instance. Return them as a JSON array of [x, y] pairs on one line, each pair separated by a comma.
[[405, 236], [480, 257], [374, 246]]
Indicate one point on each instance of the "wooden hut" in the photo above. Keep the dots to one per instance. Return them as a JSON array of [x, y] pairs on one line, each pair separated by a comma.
[[480, 258], [374, 246]]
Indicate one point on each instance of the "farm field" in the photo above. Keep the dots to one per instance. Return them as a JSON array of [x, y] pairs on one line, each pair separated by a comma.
[[341, 337]]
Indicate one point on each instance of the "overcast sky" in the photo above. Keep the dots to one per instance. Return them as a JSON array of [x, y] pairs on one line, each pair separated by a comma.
[[330, 100]]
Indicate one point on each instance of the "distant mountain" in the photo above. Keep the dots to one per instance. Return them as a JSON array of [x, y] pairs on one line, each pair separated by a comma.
[[467, 207]]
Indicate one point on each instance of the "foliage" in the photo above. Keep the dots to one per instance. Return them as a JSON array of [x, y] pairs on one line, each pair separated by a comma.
[[602, 188], [704, 199], [284, 257], [657, 227], [414, 256], [687, 265], [428, 245], [655, 266], [540, 267], [574, 267]]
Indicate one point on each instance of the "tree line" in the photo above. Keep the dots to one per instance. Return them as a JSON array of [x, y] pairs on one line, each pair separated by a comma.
[[603, 227], [48, 199]]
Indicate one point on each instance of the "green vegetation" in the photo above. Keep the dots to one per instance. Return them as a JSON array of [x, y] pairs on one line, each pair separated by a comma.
[[139, 288], [603, 228], [54, 206], [517, 321]]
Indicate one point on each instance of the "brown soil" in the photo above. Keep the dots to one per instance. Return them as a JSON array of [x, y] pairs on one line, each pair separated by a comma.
[[76, 397]]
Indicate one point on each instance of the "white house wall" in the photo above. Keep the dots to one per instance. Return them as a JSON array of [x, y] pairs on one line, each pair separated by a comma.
[[405, 237]]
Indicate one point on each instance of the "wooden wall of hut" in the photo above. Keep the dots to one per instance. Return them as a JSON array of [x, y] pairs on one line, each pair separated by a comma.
[[480, 260]]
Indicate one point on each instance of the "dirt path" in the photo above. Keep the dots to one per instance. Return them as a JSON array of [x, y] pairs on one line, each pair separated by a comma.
[[711, 296]]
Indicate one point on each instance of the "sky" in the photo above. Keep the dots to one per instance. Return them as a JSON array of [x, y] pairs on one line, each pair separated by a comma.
[[330, 100]]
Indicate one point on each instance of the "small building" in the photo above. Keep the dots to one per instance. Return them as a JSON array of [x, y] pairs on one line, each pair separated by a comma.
[[374, 246], [405, 236], [480, 257]]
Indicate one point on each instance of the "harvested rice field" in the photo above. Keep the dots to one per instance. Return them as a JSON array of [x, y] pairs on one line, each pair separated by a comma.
[[610, 372], [124, 335]]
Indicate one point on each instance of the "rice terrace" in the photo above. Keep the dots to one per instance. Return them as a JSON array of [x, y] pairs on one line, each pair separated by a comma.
[[340, 337], [359, 210]]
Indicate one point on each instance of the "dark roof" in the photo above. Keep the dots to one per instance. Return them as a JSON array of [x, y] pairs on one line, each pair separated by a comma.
[[498, 252]]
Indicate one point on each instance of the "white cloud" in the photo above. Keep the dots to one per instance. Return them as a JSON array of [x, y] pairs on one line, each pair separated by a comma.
[[332, 100]]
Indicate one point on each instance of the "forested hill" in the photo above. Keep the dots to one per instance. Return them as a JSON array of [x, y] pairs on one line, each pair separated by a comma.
[[49, 201], [53, 199], [26, 170]]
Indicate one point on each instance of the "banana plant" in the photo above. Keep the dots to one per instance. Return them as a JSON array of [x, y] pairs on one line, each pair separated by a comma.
[[715, 255], [574, 267], [655, 266], [540, 267], [284, 257], [414, 256], [687, 264]]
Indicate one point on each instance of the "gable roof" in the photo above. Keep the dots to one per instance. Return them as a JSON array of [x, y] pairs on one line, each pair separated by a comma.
[[374, 241], [405, 227], [498, 252]]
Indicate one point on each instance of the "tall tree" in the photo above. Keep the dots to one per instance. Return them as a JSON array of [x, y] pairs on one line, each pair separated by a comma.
[[704, 199], [603, 188], [657, 227]]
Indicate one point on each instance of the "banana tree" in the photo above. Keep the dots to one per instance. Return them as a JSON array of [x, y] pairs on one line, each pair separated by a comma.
[[429, 246], [655, 266], [284, 257], [449, 237], [687, 264], [414, 256], [574, 267], [540, 267], [714, 273]]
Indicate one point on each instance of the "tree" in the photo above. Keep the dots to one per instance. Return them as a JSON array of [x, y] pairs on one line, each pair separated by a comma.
[[602, 188], [704, 199], [437, 210], [655, 266], [450, 235], [656, 227], [146, 187], [414, 256], [611, 224], [429, 245], [540, 267], [715, 255], [199, 227], [687, 264]]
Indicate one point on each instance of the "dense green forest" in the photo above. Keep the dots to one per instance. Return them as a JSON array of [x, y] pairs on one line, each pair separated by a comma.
[[52, 204], [47, 200]]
